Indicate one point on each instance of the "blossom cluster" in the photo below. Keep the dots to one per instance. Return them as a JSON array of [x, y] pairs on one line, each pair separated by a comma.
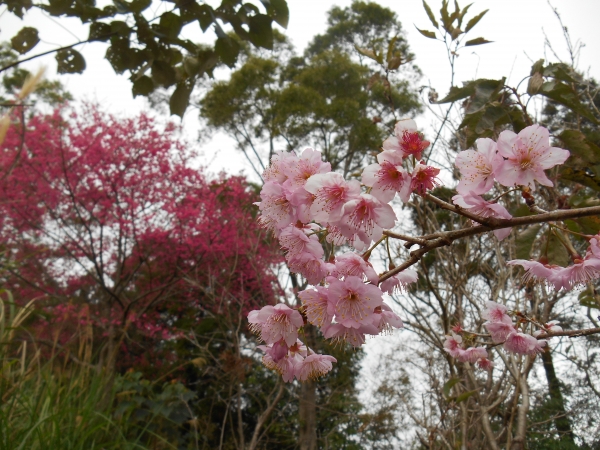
[[514, 160], [305, 204], [502, 331], [308, 207]]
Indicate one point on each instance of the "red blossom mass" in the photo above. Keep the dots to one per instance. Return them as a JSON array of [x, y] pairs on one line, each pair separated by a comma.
[[106, 215]]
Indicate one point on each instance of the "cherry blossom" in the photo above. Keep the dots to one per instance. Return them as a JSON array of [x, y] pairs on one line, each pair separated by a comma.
[[386, 320], [476, 168], [274, 323], [523, 344], [314, 366], [301, 169], [472, 354], [495, 312], [477, 205], [315, 302], [296, 242], [386, 179], [311, 267], [453, 345], [485, 364], [423, 178], [366, 217], [276, 172], [276, 211], [522, 158], [400, 281], [352, 301], [353, 336], [407, 140], [499, 330], [331, 192], [351, 264]]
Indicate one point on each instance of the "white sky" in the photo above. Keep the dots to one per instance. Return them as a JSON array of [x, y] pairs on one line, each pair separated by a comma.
[[516, 27]]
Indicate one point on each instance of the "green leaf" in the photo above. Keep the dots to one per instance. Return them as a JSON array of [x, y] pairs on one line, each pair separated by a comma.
[[142, 86], [556, 251], [170, 25], [464, 396], [261, 33], [137, 6], [390, 50], [449, 385], [119, 27], [446, 22], [537, 67], [565, 95], [278, 10], [477, 41], [228, 50], [525, 240], [427, 33], [163, 73], [366, 52], [475, 20], [205, 15], [589, 225], [70, 61], [430, 14], [181, 98], [535, 83], [100, 31], [582, 176], [462, 14], [25, 40], [581, 146], [458, 93]]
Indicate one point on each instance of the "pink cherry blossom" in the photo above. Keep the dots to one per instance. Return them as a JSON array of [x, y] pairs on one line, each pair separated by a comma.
[[472, 354], [423, 178], [400, 281], [407, 140], [523, 344], [499, 330], [338, 333], [352, 301], [550, 327], [485, 364], [386, 179], [476, 168], [495, 312], [527, 155], [453, 345], [315, 302], [537, 272], [301, 201], [366, 217], [477, 205], [351, 264], [314, 366], [274, 323], [276, 351], [386, 320], [276, 211], [276, 172], [331, 192], [308, 164], [286, 367], [311, 267], [295, 241], [578, 274]]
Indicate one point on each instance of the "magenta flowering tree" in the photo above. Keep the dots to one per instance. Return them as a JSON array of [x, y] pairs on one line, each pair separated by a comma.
[[512, 201]]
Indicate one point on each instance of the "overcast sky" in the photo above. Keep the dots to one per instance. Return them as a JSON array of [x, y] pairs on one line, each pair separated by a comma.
[[517, 28]]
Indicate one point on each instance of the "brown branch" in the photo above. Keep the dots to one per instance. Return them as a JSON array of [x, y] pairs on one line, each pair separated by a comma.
[[570, 333], [446, 238]]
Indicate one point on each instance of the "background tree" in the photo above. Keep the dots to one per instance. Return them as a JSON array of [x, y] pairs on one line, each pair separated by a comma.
[[142, 42]]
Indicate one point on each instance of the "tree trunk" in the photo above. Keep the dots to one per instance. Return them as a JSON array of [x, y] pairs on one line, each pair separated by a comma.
[[308, 416], [562, 423]]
